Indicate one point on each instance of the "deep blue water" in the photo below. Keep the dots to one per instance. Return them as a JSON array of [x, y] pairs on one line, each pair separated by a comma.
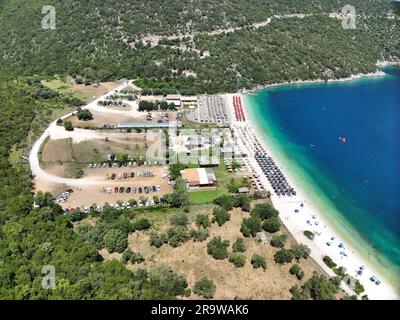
[[361, 177]]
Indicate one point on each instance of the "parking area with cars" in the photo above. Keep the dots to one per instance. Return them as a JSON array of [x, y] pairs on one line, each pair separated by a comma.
[[120, 186]]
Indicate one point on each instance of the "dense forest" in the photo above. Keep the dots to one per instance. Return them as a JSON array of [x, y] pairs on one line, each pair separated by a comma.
[[99, 41], [31, 238]]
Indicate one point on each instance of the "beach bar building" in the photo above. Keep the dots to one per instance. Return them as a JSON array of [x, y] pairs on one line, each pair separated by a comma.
[[199, 177]]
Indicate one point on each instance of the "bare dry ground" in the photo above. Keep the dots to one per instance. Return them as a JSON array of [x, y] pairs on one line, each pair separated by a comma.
[[192, 261], [100, 119], [96, 194]]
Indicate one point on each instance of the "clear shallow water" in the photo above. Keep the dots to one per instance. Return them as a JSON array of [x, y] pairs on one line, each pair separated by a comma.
[[357, 183]]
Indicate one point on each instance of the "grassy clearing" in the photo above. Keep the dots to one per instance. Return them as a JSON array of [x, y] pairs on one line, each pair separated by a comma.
[[208, 196], [64, 88], [205, 196]]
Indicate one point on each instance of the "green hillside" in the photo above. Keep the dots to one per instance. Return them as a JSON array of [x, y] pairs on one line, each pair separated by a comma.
[[103, 42]]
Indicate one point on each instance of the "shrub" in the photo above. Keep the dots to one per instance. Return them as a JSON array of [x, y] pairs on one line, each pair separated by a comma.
[[204, 287], [220, 216], [84, 115], [300, 251], [278, 241], [142, 224], [283, 256], [296, 270], [115, 241], [320, 288], [258, 261], [92, 234], [168, 281], [136, 257], [250, 226], [157, 240], [309, 234], [272, 225], [238, 259], [177, 236], [202, 220], [126, 255], [218, 248], [225, 202], [242, 201], [179, 219], [329, 262], [359, 288], [199, 234], [239, 245], [68, 126], [264, 211]]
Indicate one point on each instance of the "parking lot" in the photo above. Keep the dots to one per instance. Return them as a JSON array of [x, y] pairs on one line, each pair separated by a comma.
[[146, 181]]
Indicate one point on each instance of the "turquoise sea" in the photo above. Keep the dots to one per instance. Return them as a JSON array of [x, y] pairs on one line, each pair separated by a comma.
[[355, 181]]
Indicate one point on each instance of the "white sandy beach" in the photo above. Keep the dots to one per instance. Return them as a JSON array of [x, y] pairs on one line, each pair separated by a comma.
[[310, 218]]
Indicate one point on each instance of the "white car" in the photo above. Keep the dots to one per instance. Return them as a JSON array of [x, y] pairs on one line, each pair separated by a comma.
[[158, 188]]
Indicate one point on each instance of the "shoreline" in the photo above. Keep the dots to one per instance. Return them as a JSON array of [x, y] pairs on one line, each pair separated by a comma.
[[377, 73], [296, 223]]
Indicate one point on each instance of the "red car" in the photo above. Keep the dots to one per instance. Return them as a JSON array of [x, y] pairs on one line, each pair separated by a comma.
[[116, 190], [69, 190]]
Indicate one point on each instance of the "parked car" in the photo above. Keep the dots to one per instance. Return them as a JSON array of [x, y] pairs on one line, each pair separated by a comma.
[[108, 190], [110, 165], [132, 174], [125, 175], [113, 176], [134, 190], [154, 188], [140, 190], [146, 189], [119, 165], [128, 190], [121, 189], [158, 188]]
